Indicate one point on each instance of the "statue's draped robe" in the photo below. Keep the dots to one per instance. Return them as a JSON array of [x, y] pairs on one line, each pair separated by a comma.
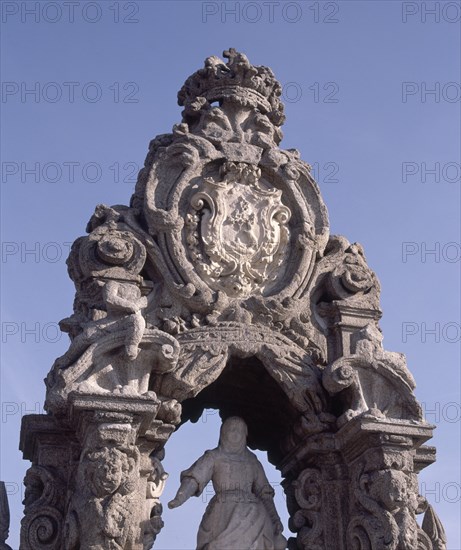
[[235, 518]]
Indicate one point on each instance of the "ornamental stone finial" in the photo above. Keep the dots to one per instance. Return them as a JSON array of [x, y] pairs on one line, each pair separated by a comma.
[[237, 81]]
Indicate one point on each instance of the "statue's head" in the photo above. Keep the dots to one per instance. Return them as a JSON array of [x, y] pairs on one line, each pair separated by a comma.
[[233, 435]]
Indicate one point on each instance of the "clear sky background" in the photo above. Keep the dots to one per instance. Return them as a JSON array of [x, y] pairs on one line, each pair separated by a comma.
[[372, 101]]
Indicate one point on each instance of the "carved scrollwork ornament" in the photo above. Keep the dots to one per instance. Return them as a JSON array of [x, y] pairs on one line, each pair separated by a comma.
[[351, 378], [114, 249], [308, 489], [42, 530], [41, 527], [107, 248], [307, 521], [356, 278], [238, 235], [155, 484]]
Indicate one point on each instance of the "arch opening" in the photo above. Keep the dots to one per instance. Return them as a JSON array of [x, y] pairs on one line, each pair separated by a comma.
[[246, 389]]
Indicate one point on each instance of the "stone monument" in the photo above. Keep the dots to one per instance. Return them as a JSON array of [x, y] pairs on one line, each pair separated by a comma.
[[220, 286]]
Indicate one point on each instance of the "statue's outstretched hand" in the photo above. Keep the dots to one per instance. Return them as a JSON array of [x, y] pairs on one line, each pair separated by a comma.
[[188, 488], [174, 503]]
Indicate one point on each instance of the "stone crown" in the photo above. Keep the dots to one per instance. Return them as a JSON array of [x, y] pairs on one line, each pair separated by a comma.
[[237, 80]]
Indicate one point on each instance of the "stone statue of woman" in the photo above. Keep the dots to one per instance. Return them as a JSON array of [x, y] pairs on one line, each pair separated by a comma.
[[242, 514]]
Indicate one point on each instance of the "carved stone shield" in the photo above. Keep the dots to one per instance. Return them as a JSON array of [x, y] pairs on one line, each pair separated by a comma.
[[237, 231]]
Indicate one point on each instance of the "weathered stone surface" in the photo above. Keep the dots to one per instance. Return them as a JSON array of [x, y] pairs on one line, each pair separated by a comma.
[[220, 286], [242, 514], [4, 517]]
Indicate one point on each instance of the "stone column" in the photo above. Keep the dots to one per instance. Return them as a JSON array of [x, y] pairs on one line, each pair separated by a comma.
[[96, 477], [356, 489], [52, 448], [316, 485], [383, 493]]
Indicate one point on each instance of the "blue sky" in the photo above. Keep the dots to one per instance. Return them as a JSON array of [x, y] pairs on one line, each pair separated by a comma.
[[372, 96]]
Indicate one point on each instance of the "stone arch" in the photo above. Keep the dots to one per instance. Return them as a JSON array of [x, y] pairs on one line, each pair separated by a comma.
[[221, 274], [205, 352]]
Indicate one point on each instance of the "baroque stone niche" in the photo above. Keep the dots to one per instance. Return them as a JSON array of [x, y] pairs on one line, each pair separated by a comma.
[[220, 286]]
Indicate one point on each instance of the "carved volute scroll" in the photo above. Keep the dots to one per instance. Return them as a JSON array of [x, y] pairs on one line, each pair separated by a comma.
[[221, 286]]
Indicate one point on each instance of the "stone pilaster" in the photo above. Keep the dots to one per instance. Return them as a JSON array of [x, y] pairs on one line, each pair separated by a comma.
[[96, 477], [316, 485], [344, 322], [53, 450], [383, 493]]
